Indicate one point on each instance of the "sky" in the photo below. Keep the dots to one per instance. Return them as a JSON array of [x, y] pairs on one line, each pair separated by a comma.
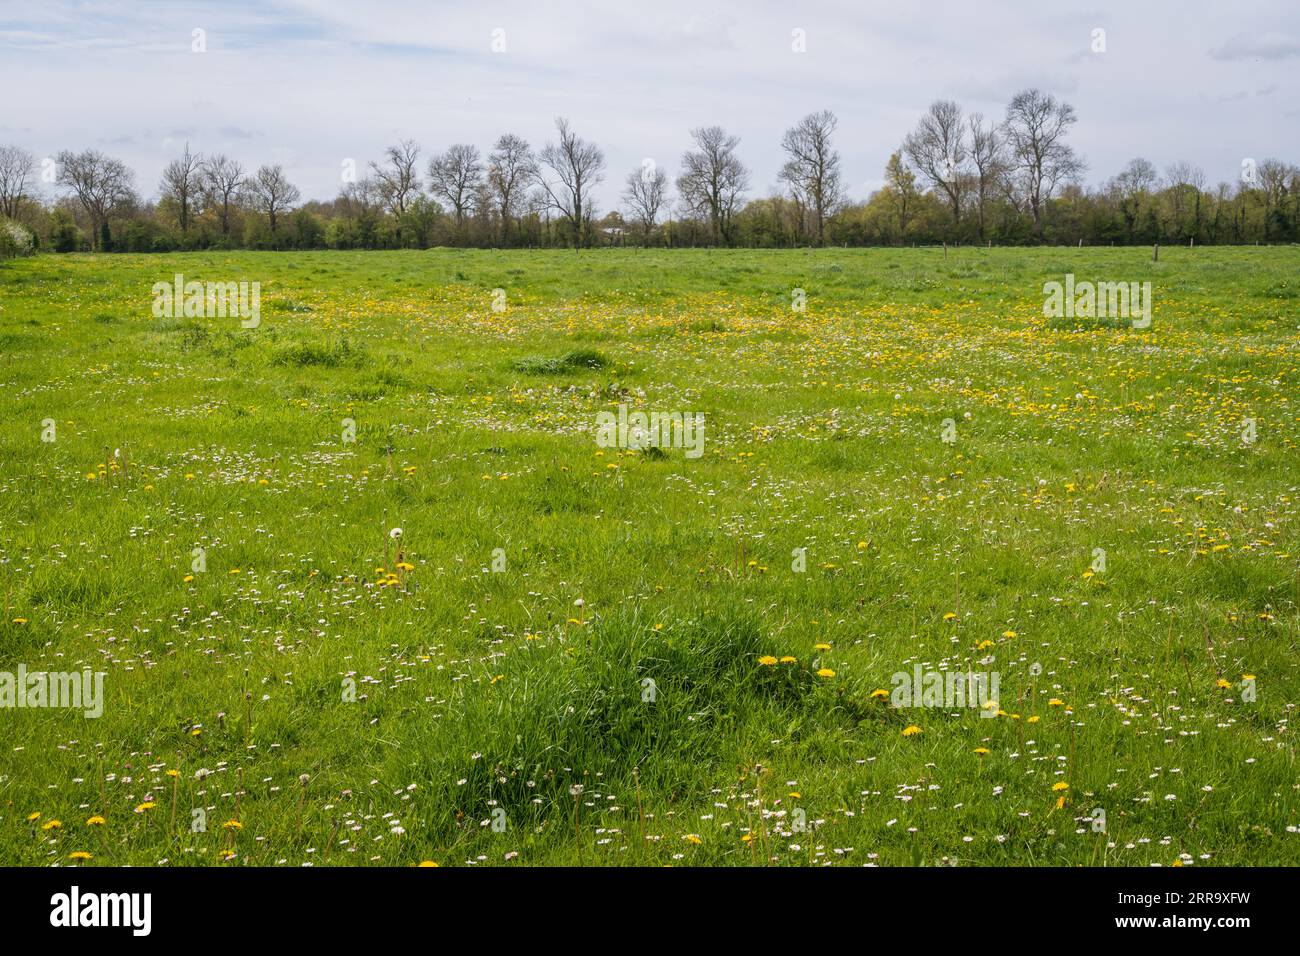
[[311, 84]]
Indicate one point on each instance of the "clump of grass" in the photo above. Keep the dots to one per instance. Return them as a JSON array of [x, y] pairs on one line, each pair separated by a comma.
[[194, 338], [287, 307], [618, 697], [330, 355], [1282, 290], [571, 361]]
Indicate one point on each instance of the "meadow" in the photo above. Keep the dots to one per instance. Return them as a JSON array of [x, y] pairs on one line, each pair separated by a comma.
[[575, 654]]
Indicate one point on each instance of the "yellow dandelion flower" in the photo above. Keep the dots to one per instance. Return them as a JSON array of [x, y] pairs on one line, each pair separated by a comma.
[[147, 805], [78, 855], [232, 825], [692, 838], [96, 821], [981, 750], [426, 863], [52, 825], [1060, 785], [33, 817], [911, 731], [825, 672]]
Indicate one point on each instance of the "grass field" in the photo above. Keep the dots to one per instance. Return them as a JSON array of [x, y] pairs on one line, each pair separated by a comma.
[[1099, 530]]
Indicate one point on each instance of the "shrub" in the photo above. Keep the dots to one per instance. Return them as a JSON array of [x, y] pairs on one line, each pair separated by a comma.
[[15, 240], [64, 234]]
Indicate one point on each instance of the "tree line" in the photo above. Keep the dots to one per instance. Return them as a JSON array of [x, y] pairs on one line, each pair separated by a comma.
[[955, 178]]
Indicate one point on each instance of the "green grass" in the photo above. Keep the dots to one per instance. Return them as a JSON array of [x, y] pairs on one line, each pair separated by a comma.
[[466, 714]]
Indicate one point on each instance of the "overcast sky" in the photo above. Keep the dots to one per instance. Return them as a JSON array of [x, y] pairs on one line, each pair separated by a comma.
[[310, 83]]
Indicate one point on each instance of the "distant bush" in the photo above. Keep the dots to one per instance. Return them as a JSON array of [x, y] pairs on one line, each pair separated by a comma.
[[64, 234]]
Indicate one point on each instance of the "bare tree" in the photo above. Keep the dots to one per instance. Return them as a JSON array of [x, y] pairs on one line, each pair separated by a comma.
[[645, 196], [1273, 176], [361, 196], [100, 183], [1035, 128], [567, 172], [813, 169], [223, 178], [1185, 182], [937, 148], [1131, 186], [397, 179], [16, 168], [454, 176], [270, 192], [510, 167], [988, 156], [361, 204], [181, 182], [713, 179]]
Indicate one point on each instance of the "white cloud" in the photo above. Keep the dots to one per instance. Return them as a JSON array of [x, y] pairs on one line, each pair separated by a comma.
[[1267, 46]]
